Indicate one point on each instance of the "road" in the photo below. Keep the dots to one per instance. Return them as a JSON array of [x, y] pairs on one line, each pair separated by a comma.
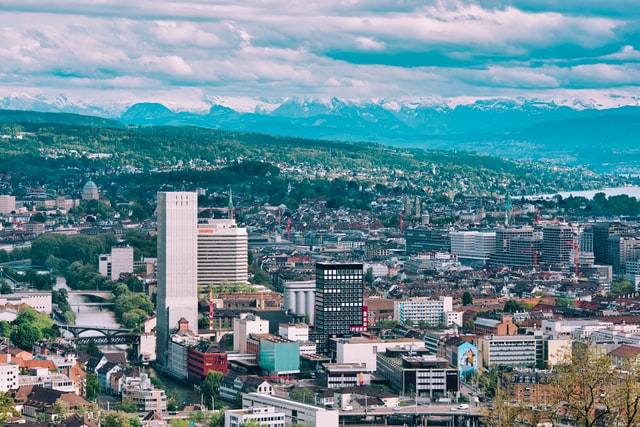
[[431, 409]]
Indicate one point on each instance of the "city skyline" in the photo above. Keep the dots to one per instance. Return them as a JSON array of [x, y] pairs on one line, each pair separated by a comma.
[[195, 54]]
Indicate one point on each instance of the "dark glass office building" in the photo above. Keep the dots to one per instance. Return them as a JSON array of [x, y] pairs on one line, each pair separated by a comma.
[[339, 299]]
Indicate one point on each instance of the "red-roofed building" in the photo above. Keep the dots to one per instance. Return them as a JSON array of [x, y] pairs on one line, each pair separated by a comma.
[[625, 352]]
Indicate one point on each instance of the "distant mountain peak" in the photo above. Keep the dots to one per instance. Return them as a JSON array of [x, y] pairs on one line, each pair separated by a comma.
[[518, 127]]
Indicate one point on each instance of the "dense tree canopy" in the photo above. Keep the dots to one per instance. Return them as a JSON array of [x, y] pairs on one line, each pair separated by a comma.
[[587, 388], [29, 327], [513, 306], [59, 250], [131, 309]]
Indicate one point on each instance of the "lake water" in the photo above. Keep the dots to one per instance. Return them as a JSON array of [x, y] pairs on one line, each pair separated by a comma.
[[631, 191]]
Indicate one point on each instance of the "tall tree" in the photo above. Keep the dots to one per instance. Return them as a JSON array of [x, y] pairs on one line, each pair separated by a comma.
[[368, 276], [626, 392], [467, 299], [210, 387], [92, 386], [127, 405], [60, 410], [504, 412], [583, 383], [8, 411]]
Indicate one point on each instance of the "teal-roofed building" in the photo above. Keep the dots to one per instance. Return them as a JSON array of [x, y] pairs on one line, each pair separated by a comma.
[[278, 356]]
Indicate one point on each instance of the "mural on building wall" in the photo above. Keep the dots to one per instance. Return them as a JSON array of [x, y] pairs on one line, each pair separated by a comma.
[[467, 359]]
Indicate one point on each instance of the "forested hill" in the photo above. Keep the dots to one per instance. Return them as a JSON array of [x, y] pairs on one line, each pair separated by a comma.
[[38, 148], [38, 118]]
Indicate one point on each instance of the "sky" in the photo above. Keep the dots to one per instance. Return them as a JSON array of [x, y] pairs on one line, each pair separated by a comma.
[[185, 53]]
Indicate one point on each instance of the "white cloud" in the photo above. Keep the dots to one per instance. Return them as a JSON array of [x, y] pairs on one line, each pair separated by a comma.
[[345, 48], [519, 77], [367, 43], [627, 53], [170, 64], [597, 75], [179, 34]]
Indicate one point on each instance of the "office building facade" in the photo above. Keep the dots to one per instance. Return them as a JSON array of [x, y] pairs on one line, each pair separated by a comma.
[[119, 261], [622, 248], [222, 253], [339, 298], [423, 309], [602, 231], [425, 239], [7, 204], [473, 246], [295, 412], [558, 242], [424, 375], [511, 350], [516, 247], [177, 296], [264, 416], [340, 309]]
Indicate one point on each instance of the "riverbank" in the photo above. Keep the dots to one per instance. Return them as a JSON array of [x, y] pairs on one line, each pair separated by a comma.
[[185, 393]]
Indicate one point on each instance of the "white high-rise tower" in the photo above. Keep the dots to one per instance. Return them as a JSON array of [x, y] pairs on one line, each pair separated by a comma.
[[222, 252], [177, 296]]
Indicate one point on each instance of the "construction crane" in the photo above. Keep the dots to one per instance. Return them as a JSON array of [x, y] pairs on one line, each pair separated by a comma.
[[211, 309], [575, 247], [535, 255]]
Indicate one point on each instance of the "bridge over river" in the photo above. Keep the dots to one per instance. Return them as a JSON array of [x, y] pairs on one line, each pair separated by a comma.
[[80, 298], [100, 335], [105, 295]]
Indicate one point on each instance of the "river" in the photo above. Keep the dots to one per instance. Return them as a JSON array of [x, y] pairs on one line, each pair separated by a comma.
[[93, 316], [88, 315]]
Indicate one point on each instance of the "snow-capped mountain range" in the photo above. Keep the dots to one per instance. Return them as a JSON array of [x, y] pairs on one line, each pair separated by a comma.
[[573, 130], [310, 105]]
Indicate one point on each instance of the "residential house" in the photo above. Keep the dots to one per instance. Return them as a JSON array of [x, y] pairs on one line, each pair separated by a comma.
[[153, 419], [37, 401], [104, 376], [137, 387], [77, 420], [232, 385]]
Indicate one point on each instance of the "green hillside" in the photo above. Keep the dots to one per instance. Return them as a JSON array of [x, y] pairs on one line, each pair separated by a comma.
[[58, 149]]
